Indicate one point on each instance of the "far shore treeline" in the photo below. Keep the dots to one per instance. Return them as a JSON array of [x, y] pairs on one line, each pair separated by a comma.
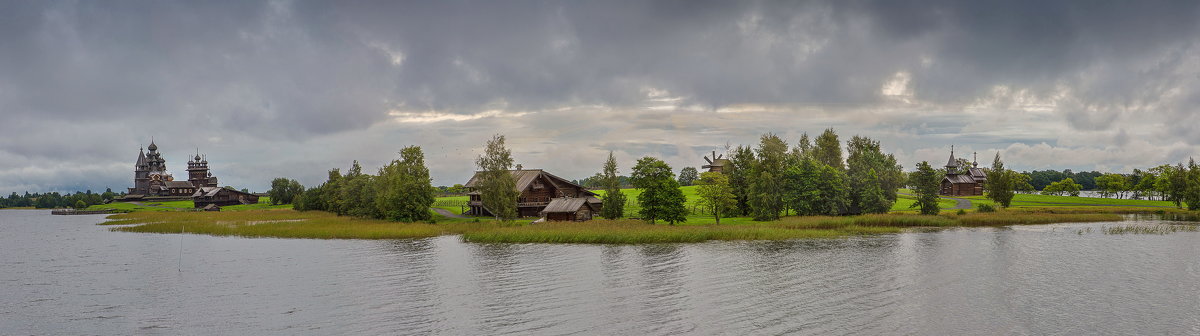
[[763, 181]]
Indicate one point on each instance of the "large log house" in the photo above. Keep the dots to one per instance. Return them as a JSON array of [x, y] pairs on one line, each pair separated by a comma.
[[538, 189]]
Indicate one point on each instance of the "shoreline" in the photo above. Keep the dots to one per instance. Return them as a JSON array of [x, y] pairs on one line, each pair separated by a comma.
[[323, 225]]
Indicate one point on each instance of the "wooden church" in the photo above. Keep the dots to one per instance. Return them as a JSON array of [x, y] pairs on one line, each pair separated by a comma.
[[963, 181]]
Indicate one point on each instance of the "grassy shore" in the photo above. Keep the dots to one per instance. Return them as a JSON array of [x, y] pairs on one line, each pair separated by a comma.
[[322, 225], [271, 223], [264, 203]]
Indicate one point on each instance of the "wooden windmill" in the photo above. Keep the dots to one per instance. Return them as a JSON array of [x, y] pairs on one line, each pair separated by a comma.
[[716, 163]]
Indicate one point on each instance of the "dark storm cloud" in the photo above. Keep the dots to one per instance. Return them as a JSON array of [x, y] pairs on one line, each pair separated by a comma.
[[84, 83]]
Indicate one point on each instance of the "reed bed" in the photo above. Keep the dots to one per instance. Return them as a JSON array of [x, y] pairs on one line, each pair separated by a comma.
[[1018, 218], [1159, 229]]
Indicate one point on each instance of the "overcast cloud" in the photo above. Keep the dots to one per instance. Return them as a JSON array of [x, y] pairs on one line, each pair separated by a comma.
[[283, 88]]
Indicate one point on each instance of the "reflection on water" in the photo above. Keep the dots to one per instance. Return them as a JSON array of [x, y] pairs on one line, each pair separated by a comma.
[[64, 275]]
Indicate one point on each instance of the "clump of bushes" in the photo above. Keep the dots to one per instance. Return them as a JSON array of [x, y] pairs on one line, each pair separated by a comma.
[[985, 208]]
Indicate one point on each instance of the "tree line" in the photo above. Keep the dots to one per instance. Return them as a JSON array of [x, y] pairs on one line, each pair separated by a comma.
[[400, 191], [766, 181], [53, 200]]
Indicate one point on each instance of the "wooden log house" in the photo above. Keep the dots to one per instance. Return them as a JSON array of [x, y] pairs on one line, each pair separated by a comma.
[[538, 189]]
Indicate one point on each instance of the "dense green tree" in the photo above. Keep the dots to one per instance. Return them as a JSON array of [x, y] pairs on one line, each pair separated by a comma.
[[800, 183], [925, 183], [866, 156], [715, 194], [834, 189], [1144, 188], [803, 149], [356, 194], [284, 190], [613, 206], [323, 197], [496, 185], [1021, 183], [766, 178], [660, 197], [688, 176], [1065, 187], [48, 201], [80, 204], [828, 149], [741, 162], [405, 188], [1191, 194], [332, 191], [456, 189], [1000, 183], [1171, 183], [871, 198], [1113, 185]]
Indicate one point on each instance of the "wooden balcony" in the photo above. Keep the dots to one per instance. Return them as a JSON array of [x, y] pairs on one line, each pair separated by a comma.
[[520, 203]]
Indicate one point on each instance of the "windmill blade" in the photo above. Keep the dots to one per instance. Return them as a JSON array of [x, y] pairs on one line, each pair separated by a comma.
[[707, 160]]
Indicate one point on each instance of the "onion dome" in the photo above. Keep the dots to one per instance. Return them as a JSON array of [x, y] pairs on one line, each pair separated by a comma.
[[152, 147]]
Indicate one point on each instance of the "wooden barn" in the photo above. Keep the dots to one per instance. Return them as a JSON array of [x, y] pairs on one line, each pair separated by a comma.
[[537, 187], [963, 182], [221, 197], [569, 209]]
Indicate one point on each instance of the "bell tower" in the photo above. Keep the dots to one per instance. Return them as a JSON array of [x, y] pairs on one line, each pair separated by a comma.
[[198, 171], [141, 175]]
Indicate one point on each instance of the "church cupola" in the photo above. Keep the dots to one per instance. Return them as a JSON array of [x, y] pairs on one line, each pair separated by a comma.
[[953, 163]]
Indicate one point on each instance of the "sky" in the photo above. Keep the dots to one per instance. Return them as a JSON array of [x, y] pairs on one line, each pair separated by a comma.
[[295, 88]]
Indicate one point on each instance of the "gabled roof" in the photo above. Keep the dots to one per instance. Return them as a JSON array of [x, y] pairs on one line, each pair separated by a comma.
[[959, 178], [525, 177], [566, 204], [213, 191], [978, 173]]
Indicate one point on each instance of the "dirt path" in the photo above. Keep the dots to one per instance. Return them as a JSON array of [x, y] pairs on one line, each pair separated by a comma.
[[447, 213], [962, 203]]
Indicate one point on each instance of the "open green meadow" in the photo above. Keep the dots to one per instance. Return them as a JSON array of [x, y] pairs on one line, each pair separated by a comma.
[[455, 204], [1037, 200]]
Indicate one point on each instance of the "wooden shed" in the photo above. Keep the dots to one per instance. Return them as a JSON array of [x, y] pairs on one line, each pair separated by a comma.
[[569, 209]]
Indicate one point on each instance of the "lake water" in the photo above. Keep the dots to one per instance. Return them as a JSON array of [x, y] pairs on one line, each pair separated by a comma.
[[63, 275]]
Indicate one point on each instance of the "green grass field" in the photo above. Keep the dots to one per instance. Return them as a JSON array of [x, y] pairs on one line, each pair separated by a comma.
[[452, 203], [1034, 200]]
